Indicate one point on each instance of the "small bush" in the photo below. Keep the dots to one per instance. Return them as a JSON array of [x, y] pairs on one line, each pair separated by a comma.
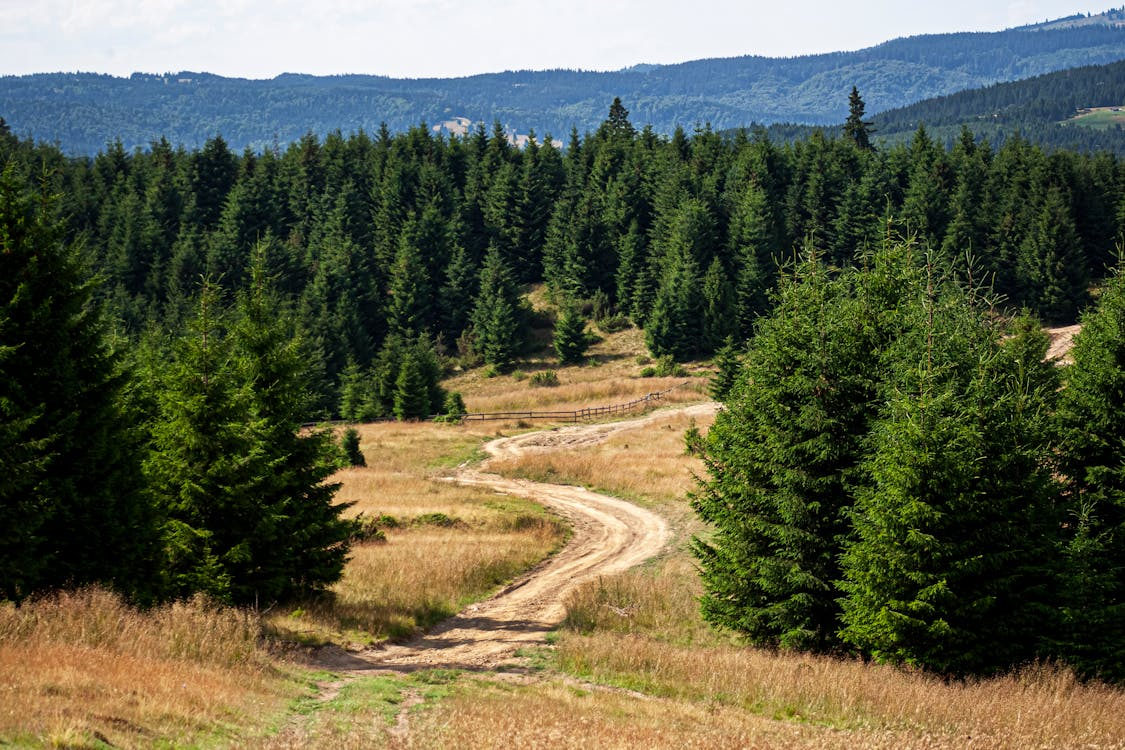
[[370, 528], [648, 372], [519, 376], [614, 323], [666, 367], [349, 444], [453, 409], [545, 379], [438, 519]]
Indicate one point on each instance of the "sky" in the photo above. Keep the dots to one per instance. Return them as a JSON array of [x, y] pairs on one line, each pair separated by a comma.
[[443, 38]]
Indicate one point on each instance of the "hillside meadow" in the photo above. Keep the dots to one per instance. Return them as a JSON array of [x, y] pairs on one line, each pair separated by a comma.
[[633, 666]]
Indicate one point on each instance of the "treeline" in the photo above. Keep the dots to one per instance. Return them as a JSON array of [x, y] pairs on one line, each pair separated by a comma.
[[898, 473], [1035, 108], [166, 466], [402, 249], [83, 111]]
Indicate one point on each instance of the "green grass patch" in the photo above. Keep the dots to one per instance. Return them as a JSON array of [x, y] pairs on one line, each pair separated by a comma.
[[1102, 118]]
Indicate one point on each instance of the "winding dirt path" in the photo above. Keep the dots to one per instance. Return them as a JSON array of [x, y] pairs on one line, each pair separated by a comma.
[[609, 536]]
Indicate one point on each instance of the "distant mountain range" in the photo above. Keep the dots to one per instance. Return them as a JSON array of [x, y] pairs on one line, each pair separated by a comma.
[[82, 112]]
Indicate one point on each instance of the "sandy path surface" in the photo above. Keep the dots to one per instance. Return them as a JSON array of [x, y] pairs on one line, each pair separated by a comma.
[[609, 536]]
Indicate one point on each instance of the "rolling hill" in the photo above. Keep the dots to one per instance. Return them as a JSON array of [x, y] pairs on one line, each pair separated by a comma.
[[82, 112]]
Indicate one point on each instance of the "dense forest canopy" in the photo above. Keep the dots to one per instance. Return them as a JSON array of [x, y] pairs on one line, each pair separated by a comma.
[[170, 319], [388, 244], [83, 112]]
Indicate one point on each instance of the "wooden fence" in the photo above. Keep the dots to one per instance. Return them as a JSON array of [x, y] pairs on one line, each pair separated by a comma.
[[581, 415]]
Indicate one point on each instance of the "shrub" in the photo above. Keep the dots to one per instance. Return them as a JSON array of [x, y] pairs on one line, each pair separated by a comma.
[[349, 444], [545, 379]]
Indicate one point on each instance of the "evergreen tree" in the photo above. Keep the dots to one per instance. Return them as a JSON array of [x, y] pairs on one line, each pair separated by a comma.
[[674, 328], [71, 504], [570, 340], [753, 244], [409, 307], [856, 129], [720, 320], [1051, 268], [953, 565], [201, 469], [729, 367], [250, 518], [298, 542], [349, 445], [782, 460], [496, 316], [1092, 458], [411, 395]]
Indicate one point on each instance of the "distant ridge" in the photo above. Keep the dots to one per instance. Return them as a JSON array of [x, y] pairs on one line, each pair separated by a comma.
[[82, 112]]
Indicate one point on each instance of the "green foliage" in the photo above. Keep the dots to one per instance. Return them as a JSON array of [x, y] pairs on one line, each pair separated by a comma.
[[782, 460], [453, 408], [1092, 458], [925, 531], [250, 518], [71, 506], [729, 369], [856, 129], [496, 318], [349, 446], [545, 379], [570, 340], [954, 563]]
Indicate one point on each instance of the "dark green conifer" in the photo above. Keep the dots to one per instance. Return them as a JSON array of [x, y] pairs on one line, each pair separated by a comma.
[[1092, 458], [71, 504], [570, 339]]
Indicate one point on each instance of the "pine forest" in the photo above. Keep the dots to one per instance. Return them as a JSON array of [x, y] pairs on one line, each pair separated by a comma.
[[895, 472]]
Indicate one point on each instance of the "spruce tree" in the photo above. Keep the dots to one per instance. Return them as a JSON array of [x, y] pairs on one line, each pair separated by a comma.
[[298, 542], [781, 461], [720, 318], [953, 564], [201, 469], [411, 396], [496, 317], [570, 340], [1092, 458], [71, 504], [856, 129], [250, 517], [729, 367]]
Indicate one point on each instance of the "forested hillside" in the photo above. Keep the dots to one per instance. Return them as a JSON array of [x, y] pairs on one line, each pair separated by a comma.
[[171, 317], [1039, 109], [394, 250], [84, 112]]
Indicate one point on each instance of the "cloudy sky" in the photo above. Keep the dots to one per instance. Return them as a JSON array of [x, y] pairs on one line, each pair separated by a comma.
[[420, 38]]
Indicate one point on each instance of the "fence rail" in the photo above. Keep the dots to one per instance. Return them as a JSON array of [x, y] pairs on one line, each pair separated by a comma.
[[580, 415]]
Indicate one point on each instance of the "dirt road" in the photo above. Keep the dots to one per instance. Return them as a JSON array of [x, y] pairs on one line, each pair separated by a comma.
[[609, 536]]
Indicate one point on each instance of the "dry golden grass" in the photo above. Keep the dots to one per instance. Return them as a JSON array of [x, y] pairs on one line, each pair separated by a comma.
[[647, 463], [557, 715], [421, 573], [417, 578], [642, 631], [615, 379], [81, 668], [1039, 707]]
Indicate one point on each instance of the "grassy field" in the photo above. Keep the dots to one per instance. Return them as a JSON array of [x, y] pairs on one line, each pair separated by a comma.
[[1099, 118], [634, 665]]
